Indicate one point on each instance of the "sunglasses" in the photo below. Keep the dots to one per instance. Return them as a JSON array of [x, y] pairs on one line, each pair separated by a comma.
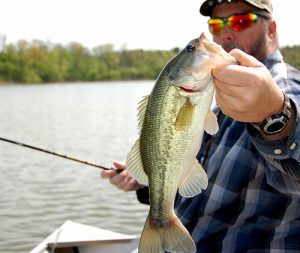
[[236, 22]]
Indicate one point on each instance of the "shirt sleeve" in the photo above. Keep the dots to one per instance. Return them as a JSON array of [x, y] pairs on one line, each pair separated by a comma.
[[282, 157], [143, 195]]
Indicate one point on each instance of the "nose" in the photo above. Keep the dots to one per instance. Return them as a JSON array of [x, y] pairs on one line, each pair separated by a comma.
[[227, 34]]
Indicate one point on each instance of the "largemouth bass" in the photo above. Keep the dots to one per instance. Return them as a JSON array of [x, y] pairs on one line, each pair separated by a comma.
[[171, 123]]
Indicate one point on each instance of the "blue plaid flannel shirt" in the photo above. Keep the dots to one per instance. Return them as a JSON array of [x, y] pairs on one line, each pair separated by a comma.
[[252, 203]]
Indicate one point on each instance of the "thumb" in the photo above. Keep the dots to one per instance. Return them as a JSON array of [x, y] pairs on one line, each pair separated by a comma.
[[245, 59], [120, 165]]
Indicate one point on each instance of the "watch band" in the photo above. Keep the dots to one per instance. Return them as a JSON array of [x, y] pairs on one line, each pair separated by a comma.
[[277, 122]]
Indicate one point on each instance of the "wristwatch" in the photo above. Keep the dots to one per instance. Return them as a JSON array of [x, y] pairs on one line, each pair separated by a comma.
[[277, 122]]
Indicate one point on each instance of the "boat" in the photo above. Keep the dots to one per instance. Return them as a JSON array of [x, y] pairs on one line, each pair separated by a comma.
[[73, 237]]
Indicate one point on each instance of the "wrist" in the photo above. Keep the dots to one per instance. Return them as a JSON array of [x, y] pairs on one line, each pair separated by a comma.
[[278, 125]]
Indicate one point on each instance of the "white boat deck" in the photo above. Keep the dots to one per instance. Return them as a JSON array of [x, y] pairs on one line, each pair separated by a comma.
[[76, 237]]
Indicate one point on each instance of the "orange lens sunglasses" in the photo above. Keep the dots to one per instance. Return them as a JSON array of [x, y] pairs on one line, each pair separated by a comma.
[[236, 22]]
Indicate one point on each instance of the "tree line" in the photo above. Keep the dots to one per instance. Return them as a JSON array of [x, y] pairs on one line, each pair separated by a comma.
[[40, 62], [291, 55]]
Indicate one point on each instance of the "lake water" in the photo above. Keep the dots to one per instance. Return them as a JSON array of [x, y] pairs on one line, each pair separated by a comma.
[[39, 192]]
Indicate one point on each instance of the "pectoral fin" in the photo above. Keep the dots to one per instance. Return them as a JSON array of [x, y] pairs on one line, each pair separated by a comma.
[[211, 125], [195, 182], [185, 116], [134, 164]]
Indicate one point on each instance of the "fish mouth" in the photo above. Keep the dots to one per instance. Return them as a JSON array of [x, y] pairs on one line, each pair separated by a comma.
[[193, 86], [188, 90]]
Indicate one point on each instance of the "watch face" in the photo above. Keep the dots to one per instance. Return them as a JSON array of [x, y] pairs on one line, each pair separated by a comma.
[[277, 122], [275, 127]]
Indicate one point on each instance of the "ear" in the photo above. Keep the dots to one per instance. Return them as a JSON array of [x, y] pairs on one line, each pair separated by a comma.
[[272, 29]]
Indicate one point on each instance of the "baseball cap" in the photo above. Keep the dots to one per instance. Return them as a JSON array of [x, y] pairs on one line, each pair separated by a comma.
[[208, 5]]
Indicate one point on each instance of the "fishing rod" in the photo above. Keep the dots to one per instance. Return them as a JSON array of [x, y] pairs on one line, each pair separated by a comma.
[[57, 154]]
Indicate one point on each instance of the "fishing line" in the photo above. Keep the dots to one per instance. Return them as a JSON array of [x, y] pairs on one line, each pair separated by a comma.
[[57, 154]]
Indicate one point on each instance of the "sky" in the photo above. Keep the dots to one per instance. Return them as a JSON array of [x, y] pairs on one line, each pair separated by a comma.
[[131, 24]]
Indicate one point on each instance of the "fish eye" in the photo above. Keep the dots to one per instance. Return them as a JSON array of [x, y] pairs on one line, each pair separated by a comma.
[[190, 48]]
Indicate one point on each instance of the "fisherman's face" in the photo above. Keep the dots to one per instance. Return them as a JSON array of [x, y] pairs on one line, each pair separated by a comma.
[[252, 40]]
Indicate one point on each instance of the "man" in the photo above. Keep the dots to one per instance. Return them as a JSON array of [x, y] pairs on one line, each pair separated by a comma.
[[252, 203]]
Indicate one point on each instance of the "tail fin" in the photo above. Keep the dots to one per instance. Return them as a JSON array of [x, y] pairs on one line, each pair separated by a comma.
[[172, 238]]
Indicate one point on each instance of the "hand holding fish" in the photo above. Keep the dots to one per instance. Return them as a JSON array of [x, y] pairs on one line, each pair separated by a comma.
[[121, 180], [247, 92]]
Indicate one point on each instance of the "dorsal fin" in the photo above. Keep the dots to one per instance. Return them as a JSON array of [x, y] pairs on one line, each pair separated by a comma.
[[142, 105], [134, 164]]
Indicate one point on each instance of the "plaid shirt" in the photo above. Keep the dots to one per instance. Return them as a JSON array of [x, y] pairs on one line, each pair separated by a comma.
[[252, 203]]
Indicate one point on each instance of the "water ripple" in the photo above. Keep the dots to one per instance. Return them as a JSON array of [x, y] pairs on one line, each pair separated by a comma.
[[39, 192]]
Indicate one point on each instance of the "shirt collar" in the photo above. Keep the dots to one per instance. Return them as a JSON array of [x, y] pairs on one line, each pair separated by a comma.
[[274, 58]]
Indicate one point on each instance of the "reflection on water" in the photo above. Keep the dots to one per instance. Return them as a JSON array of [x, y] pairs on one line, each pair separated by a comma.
[[95, 122]]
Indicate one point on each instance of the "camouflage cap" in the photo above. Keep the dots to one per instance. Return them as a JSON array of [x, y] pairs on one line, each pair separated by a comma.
[[208, 5]]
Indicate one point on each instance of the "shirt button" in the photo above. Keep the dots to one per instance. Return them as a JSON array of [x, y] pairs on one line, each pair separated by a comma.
[[277, 151], [293, 146]]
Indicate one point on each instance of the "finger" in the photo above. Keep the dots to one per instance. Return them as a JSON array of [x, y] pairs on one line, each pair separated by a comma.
[[120, 165], [227, 101], [238, 75], [233, 75], [226, 89], [132, 185], [118, 178], [125, 184], [108, 173]]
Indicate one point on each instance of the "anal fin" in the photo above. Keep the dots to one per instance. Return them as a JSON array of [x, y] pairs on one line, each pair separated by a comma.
[[195, 182]]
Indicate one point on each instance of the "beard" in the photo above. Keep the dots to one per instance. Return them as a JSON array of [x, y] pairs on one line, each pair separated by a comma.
[[257, 50]]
